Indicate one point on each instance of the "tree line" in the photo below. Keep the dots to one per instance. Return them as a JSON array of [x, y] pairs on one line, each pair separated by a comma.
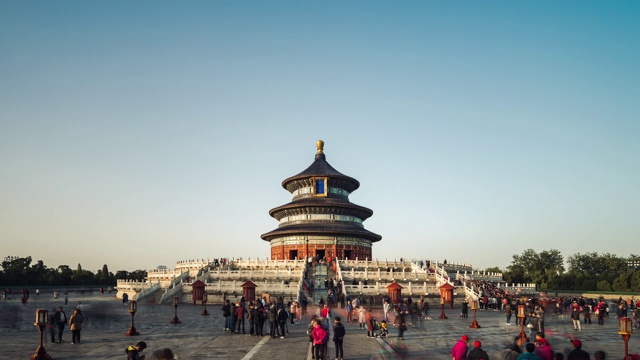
[[20, 272], [584, 272]]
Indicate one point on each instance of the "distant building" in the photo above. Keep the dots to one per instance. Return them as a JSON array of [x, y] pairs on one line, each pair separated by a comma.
[[320, 221]]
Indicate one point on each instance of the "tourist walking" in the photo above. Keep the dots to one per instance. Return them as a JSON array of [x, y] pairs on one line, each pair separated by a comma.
[[226, 313], [282, 317], [402, 325], [602, 311], [233, 318], [338, 337], [369, 323], [240, 314], [319, 335], [385, 308], [52, 325], [543, 348], [464, 313], [361, 317], [272, 317], [586, 313], [312, 325], [326, 314], [75, 325], [575, 317], [61, 322], [349, 309], [459, 351]]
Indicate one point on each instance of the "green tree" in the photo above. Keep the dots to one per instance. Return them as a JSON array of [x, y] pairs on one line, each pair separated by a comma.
[[65, 275], [104, 277], [531, 267], [17, 271], [603, 285], [622, 282], [634, 281], [122, 275], [138, 275], [494, 269]]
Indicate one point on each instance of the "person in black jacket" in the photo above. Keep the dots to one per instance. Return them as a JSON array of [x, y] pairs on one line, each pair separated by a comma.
[[577, 353], [338, 337], [226, 313], [477, 353], [52, 326], [61, 322], [282, 317]]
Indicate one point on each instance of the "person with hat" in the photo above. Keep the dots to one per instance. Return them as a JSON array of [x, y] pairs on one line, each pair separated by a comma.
[[133, 352], [543, 348], [577, 353], [459, 351], [477, 353]]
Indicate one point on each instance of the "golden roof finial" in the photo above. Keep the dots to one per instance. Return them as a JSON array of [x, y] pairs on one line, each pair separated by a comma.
[[320, 145]]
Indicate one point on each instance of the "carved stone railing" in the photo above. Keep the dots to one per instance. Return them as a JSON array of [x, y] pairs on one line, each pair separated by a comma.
[[174, 288]]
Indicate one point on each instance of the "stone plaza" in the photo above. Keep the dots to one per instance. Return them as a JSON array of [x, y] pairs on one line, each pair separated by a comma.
[[201, 337]]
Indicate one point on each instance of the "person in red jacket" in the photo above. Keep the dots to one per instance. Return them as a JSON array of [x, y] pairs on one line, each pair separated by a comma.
[[543, 348], [319, 335], [459, 351], [369, 320]]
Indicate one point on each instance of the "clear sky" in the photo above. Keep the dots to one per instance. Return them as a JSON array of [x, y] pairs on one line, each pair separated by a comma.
[[139, 133]]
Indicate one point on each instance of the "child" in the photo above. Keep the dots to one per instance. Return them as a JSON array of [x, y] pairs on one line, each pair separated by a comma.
[[383, 329]]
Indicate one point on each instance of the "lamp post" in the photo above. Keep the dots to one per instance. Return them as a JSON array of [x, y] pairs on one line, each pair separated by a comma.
[[41, 323], [625, 328], [521, 316], [133, 307], [474, 307], [175, 319], [442, 315], [204, 303]]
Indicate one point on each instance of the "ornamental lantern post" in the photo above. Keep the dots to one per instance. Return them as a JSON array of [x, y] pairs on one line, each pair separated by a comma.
[[175, 319], [521, 316], [41, 323], [133, 307], [204, 303], [442, 315], [474, 307], [625, 328]]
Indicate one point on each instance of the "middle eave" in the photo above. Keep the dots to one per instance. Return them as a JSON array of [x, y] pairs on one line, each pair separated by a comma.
[[321, 206]]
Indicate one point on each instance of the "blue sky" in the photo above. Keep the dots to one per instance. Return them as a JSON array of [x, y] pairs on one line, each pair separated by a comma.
[[141, 133]]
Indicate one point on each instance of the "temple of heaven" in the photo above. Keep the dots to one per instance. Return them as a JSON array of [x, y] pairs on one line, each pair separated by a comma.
[[320, 221]]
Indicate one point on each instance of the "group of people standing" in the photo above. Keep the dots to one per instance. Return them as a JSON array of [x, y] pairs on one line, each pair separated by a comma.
[[258, 313], [58, 321], [319, 334]]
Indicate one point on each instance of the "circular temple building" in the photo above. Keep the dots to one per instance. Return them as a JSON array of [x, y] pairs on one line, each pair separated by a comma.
[[320, 221]]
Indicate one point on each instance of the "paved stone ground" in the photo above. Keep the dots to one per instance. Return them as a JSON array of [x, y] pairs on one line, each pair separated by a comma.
[[200, 337]]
